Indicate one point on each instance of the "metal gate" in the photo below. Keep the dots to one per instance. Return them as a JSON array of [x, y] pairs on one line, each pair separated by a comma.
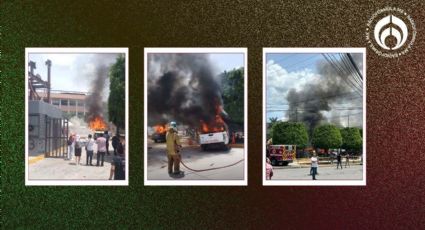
[[47, 136]]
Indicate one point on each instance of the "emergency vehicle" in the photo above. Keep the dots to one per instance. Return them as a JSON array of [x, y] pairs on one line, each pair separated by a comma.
[[282, 154]]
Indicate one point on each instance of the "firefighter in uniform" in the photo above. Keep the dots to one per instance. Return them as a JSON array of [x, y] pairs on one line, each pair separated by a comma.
[[173, 149]]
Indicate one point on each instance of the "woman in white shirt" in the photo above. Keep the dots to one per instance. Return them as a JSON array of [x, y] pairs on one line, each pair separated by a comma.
[[314, 165], [89, 150]]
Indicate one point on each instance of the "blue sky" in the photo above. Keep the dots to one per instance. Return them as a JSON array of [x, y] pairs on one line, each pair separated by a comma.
[[227, 62]]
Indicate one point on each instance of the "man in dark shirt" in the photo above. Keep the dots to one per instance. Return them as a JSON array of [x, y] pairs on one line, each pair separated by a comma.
[[118, 164], [338, 161], [106, 135]]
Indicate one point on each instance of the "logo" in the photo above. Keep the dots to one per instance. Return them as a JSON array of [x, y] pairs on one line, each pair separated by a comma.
[[391, 32]]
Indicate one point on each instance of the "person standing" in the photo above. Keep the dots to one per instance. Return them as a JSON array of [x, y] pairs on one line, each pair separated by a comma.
[[173, 145], [347, 160], [71, 145], [338, 161], [77, 152], [269, 169], [101, 149], [118, 164], [107, 141], [115, 142], [314, 165], [89, 150]]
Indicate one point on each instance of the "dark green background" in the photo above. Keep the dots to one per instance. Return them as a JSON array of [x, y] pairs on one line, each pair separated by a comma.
[[394, 195]]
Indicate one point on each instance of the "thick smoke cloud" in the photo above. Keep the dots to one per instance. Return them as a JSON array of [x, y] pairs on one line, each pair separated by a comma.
[[94, 101], [309, 103], [182, 87]]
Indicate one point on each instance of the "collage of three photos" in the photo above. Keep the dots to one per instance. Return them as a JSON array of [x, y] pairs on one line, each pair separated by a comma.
[[195, 116]]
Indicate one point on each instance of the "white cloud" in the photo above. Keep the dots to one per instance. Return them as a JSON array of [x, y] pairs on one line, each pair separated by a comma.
[[66, 60], [280, 81]]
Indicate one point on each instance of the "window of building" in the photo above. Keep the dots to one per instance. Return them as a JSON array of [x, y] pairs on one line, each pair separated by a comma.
[[71, 102], [80, 103], [56, 102], [64, 102]]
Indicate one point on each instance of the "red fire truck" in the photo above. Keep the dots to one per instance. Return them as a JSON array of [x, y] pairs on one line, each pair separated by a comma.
[[282, 154]]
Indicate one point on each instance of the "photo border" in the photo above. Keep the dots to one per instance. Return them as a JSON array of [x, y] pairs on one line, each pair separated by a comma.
[[183, 182], [311, 182], [53, 182]]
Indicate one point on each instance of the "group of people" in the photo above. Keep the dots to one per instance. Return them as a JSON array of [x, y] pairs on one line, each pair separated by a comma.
[[339, 160], [102, 141]]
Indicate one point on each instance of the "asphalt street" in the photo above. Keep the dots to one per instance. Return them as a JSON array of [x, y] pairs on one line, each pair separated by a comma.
[[195, 158], [328, 172]]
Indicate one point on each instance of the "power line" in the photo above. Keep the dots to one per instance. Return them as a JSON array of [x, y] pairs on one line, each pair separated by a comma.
[[340, 72], [354, 65]]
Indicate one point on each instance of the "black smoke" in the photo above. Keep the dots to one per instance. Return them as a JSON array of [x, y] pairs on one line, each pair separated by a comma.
[[94, 100], [182, 87], [331, 89]]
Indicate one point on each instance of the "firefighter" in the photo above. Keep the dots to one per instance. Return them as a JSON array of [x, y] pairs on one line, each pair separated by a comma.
[[173, 150]]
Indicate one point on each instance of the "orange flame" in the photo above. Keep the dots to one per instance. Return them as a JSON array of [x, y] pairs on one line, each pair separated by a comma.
[[97, 123], [216, 125], [160, 128]]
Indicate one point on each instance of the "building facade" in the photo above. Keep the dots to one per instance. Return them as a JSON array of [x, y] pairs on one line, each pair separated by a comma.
[[71, 103]]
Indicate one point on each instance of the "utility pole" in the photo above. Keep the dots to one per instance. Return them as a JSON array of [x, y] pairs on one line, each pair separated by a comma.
[[348, 121], [296, 114], [49, 65]]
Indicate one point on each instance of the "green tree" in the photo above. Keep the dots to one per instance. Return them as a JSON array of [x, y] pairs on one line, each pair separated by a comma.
[[326, 137], [232, 86], [116, 100], [290, 133], [272, 121], [351, 139]]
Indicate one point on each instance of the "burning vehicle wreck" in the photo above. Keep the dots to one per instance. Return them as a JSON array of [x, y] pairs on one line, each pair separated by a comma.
[[187, 96]]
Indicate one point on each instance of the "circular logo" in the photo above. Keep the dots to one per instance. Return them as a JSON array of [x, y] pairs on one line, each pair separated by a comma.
[[391, 32]]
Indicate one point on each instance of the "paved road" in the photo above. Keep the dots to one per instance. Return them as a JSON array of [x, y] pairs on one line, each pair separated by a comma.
[[196, 159], [325, 173], [61, 169]]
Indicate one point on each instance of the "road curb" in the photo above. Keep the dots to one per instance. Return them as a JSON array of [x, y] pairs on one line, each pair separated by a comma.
[[35, 159]]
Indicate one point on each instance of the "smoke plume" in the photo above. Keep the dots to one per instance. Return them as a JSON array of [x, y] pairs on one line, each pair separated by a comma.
[[94, 101], [308, 103], [182, 87]]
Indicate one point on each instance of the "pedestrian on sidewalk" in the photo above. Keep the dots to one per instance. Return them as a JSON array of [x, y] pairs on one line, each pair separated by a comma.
[[77, 152], [338, 160], [101, 149], [89, 150], [314, 165], [269, 169], [118, 164], [347, 160], [71, 145]]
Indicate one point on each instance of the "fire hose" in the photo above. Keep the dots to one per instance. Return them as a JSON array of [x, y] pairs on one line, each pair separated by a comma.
[[202, 170]]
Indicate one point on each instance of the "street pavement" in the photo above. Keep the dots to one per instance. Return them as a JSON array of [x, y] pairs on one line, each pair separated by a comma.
[[61, 169], [194, 157], [327, 172]]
